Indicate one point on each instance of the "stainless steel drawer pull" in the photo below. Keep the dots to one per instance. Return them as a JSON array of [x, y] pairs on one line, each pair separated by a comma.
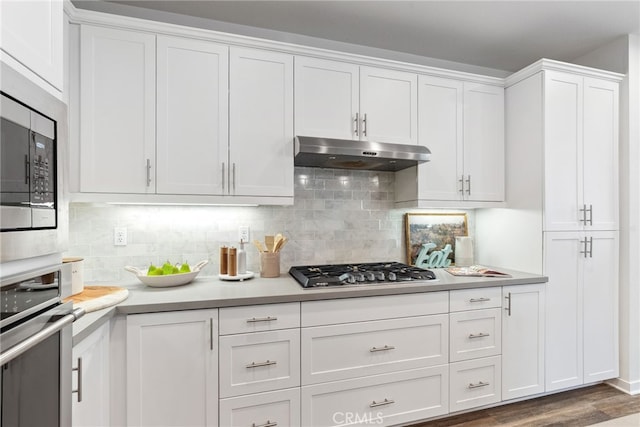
[[385, 348], [583, 209], [469, 185], [259, 364], [590, 215], [508, 307], [480, 335], [382, 403], [267, 424], [480, 384], [79, 378], [483, 299], [364, 125], [461, 181], [261, 319], [357, 120]]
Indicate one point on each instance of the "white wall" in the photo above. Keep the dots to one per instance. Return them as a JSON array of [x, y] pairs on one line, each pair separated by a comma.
[[623, 55]]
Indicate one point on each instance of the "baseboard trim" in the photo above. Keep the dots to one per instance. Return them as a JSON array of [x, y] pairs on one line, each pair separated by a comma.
[[631, 388]]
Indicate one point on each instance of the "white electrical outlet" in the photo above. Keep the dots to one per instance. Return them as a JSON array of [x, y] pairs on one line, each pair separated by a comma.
[[120, 236], [243, 233]]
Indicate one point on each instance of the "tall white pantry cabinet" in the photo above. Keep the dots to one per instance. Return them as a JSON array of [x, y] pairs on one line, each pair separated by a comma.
[[562, 194]]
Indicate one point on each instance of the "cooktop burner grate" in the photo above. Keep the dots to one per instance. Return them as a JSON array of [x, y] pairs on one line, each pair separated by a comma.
[[358, 274]]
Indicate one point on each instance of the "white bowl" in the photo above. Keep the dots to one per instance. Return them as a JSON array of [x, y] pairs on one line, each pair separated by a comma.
[[168, 280]]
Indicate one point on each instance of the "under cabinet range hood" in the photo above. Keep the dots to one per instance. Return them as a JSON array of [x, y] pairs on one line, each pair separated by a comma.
[[364, 155]]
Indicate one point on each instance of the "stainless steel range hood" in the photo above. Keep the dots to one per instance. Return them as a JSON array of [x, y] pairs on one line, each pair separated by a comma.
[[349, 154]]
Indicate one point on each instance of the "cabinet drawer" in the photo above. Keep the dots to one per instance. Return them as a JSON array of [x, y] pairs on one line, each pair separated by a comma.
[[353, 350], [329, 312], [258, 318], [281, 408], [387, 399], [257, 362], [475, 334], [475, 383], [474, 299]]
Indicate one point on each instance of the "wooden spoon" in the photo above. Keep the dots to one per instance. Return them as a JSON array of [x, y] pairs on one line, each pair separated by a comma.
[[269, 242]]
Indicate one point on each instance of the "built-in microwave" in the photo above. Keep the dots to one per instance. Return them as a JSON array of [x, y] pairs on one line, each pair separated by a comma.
[[28, 193]]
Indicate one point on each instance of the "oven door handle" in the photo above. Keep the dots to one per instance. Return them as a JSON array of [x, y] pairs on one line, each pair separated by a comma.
[[15, 351]]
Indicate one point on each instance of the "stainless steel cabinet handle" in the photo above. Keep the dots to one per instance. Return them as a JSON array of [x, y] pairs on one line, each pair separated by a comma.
[[483, 299], [233, 169], [508, 307], [461, 181], [148, 172], [590, 247], [584, 250], [364, 125], [261, 319], [211, 333], [480, 335], [583, 209], [469, 185], [479, 384], [357, 122], [259, 364], [590, 215], [382, 403], [385, 348], [223, 176], [267, 424], [78, 390]]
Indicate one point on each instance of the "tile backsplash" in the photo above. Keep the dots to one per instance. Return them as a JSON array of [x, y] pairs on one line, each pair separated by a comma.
[[339, 216]]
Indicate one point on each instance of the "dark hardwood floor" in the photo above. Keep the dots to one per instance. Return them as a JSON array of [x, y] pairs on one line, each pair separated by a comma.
[[578, 408]]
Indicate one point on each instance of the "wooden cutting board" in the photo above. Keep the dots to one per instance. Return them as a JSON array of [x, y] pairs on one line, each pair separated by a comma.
[[94, 298]]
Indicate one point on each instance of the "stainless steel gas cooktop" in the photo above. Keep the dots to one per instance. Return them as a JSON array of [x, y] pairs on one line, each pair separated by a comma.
[[358, 274]]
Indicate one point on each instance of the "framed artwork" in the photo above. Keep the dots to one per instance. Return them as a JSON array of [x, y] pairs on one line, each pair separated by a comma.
[[436, 230]]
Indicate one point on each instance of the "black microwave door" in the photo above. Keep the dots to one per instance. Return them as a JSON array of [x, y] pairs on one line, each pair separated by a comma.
[[14, 162]]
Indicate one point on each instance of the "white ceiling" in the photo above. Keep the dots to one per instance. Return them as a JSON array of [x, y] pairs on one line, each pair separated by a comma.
[[505, 35]]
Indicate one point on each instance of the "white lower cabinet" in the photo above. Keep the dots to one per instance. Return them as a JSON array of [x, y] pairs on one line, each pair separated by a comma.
[[523, 338], [374, 347], [387, 399], [90, 398], [172, 367], [474, 383], [275, 408], [259, 361]]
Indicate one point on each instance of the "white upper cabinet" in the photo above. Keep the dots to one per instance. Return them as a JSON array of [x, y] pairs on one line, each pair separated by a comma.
[[580, 152], [117, 111], [261, 123], [340, 100], [192, 116], [326, 98], [483, 175], [32, 34], [388, 106], [462, 124]]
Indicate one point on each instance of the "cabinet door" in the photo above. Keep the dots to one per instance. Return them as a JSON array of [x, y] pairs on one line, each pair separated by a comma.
[[523, 336], [326, 98], [483, 142], [172, 369], [388, 106], [563, 152], [117, 103], [261, 123], [192, 145], [601, 307], [32, 33], [600, 148], [563, 264], [91, 380], [440, 109]]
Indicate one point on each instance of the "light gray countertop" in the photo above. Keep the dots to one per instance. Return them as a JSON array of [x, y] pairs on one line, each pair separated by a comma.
[[211, 292]]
